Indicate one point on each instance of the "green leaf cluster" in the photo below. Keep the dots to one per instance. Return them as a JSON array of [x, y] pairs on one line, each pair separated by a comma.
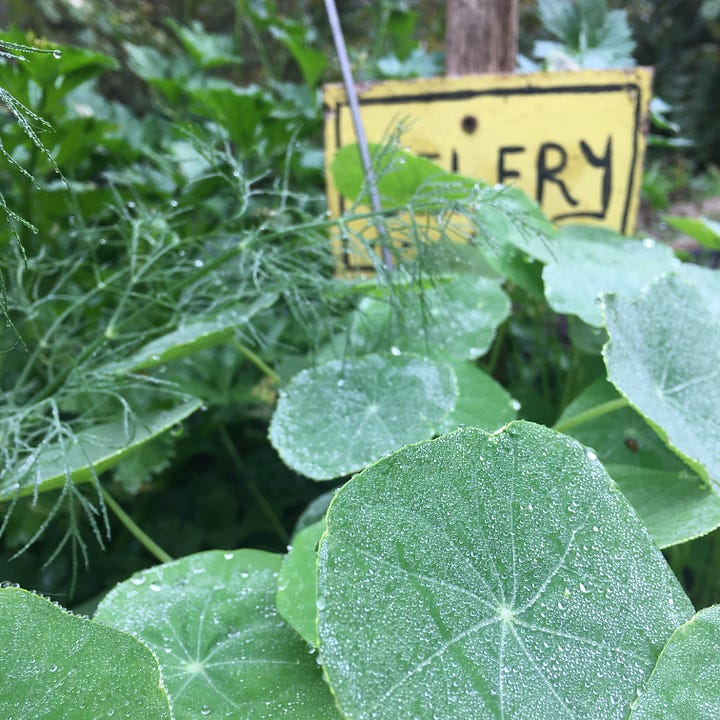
[[462, 563]]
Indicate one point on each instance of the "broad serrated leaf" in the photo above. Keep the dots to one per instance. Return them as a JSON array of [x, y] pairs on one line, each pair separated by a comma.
[[192, 337], [91, 451], [664, 356], [493, 576], [685, 685], [591, 260], [58, 665], [337, 418], [297, 583], [672, 501], [223, 649]]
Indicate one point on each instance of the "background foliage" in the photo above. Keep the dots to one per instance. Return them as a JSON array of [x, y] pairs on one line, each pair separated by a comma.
[[164, 175]]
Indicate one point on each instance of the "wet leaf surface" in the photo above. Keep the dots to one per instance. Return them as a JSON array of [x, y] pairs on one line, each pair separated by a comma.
[[653, 359], [685, 685], [490, 575], [223, 649], [590, 261], [341, 416], [58, 665]]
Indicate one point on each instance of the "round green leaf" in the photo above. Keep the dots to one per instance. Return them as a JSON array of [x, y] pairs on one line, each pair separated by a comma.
[[457, 318], [297, 583], [685, 685], [707, 281], [490, 576], [675, 506], [589, 261], [224, 651], [664, 356], [619, 437], [509, 213], [481, 401], [341, 416], [57, 665], [672, 501]]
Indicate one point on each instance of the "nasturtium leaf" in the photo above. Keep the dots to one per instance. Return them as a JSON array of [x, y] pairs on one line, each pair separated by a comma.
[[591, 260], [58, 665], [297, 583], [490, 575], [314, 512], [509, 261], [675, 506], [585, 338], [664, 357], [337, 418], [508, 213], [685, 685], [618, 436], [482, 402], [223, 649], [457, 317], [672, 501], [707, 281], [92, 451]]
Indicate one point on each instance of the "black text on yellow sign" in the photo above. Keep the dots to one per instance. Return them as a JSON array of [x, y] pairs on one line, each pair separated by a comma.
[[573, 141]]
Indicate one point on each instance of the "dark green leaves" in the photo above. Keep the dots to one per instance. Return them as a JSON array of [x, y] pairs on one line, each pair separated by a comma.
[[57, 665], [490, 575]]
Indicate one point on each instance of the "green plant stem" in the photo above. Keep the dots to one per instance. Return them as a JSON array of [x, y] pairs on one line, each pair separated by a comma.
[[591, 414], [145, 540], [496, 349], [251, 486], [258, 362]]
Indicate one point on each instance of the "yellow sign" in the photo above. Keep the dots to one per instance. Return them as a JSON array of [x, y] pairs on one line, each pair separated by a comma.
[[573, 141]]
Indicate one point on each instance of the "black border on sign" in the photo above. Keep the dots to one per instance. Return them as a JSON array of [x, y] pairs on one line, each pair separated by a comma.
[[428, 97]]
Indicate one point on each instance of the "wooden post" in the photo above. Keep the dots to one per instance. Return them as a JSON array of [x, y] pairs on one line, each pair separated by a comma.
[[481, 36]]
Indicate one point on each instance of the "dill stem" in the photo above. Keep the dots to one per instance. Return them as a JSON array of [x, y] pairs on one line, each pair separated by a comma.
[[592, 413], [258, 362], [251, 486], [145, 540]]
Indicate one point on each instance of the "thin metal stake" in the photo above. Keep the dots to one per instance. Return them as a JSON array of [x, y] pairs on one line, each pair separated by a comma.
[[359, 128]]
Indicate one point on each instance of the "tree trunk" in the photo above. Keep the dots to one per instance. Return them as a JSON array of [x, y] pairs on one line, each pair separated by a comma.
[[481, 36]]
